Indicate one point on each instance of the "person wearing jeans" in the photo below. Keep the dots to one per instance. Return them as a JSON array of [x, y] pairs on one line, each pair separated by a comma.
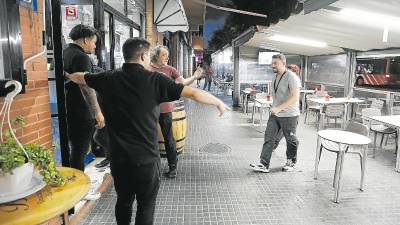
[[284, 115]]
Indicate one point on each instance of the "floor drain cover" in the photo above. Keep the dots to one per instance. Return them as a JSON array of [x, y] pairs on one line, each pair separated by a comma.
[[215, 148]]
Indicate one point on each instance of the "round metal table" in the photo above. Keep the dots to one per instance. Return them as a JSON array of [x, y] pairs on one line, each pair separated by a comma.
[[343, 139]]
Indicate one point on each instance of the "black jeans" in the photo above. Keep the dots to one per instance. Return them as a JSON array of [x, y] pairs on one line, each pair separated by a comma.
[[288, 126], [80, 133], [136, 181], [165, 121]]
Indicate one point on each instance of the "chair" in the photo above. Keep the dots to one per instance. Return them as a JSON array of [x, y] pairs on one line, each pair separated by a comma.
[[312, 107], [334, 147], [334, 111], [375, 103], [246, 99], [396, 110], [377, 127], [321, 94], [217, 83], [258, 106]]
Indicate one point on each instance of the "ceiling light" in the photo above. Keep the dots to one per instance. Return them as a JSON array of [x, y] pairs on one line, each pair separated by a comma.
[[371, 18], [299, 41]]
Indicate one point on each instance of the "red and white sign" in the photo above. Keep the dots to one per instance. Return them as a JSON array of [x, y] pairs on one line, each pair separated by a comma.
[[70, 12]]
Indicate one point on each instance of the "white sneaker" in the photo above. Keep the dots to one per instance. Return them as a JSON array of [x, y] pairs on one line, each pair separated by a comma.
[[92, 195], [259, 167], [290, 166]]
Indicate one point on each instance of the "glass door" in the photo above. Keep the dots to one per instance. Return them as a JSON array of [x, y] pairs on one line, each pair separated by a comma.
[[117, 31], [121, 33], [71, 13]]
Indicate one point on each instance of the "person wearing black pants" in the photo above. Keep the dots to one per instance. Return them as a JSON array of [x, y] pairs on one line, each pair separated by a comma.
[[165, 121], [83, 111], [136, 181], [159, 63], [130, 99]]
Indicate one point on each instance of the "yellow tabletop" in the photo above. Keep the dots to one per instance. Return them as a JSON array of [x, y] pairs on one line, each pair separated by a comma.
[[47, 203]]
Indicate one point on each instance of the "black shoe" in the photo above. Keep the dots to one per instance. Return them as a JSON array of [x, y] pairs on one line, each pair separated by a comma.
[[171, 173], [103, 163]]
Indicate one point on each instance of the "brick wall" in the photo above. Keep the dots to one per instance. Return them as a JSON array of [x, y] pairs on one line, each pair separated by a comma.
[[34, 104]]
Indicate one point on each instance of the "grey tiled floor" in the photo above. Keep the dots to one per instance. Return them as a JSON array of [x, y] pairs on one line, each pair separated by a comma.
[[220, 189]]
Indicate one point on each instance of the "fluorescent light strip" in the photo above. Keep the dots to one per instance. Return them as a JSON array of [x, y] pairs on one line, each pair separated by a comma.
[[368, 17], [299, 41], [377, 56]]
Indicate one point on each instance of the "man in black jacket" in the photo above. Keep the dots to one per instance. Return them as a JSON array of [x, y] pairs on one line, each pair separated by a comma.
[[130, 98]]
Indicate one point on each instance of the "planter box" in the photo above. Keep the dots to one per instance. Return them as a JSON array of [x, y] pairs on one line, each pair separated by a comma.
[[17, 181]]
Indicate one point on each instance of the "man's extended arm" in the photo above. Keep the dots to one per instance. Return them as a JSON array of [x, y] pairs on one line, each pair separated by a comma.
[[78, 77], [204, 97], [196, 75]]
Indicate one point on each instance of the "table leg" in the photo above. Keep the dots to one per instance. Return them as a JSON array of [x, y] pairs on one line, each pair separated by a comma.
[[398, 151], [344, 121], [321, 119], [363, 162], [337, 167], [247, 104], [303, 103], [252, 114], [337, 188], [317, 157]]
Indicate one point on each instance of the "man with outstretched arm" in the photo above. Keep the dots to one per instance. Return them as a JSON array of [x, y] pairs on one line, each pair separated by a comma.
[[130, 101]]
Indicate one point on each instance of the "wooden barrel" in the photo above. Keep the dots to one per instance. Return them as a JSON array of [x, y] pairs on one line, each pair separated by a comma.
[[178, 128]]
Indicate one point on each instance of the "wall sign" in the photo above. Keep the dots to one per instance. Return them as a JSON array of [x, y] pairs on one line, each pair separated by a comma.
[[70, 12]]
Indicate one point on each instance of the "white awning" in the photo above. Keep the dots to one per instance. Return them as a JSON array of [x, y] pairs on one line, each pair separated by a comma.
[[169, 15]]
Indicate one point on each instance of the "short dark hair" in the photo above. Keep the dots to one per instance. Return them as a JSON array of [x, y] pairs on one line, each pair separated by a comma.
[[82, 31], [282, 57], [134, 47]]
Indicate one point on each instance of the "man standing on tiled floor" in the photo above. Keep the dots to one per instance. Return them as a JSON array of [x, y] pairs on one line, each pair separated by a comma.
[[130, 98], [159, 62], [284, 115]]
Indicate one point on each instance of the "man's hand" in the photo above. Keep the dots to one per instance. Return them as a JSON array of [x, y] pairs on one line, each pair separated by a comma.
[[222, 108], [275, 110], [198, 73], [77, 77], [100, 122]]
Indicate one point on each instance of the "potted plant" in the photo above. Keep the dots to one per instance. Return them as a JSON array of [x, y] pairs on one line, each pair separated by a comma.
[[18, 161], [17, 164]]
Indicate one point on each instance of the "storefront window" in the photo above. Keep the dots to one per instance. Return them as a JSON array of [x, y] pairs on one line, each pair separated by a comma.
[[122, 33], [134, 11], [73, 15], [11, 61], [378, 72], [136, 33], [117, 5]]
